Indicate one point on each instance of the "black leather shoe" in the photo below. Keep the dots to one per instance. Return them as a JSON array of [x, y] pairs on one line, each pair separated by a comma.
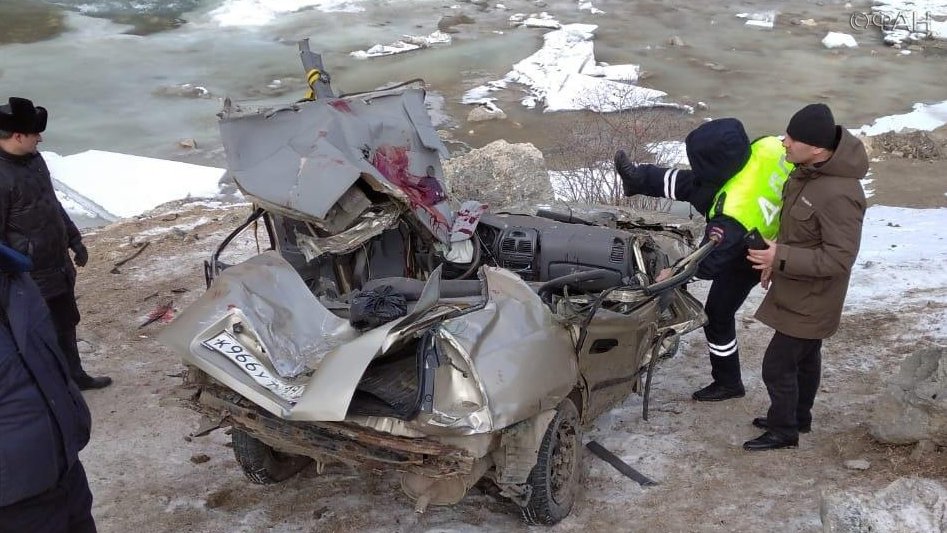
[[88, 382], [631, 181], [762, 423], [716, 392], [769, 441]]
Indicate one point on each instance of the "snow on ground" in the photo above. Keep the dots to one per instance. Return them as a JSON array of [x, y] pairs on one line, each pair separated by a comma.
[[113, 185], [669, 153], [834, 39], [907, 20], [564, 76], [407, 43], [765, 19], [903, 258], [588, 6], [262, 12], [925, 117]]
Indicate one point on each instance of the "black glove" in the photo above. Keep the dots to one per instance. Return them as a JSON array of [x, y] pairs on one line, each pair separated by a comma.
[[82, 255]]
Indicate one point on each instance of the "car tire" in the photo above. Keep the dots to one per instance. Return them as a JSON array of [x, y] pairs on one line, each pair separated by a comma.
[[261, 463], [554, 479]]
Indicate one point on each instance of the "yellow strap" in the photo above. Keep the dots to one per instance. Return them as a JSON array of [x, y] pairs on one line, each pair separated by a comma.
[[312, 77]]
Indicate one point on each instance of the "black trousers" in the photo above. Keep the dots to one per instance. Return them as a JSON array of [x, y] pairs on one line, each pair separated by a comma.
[[792, 369], [66, 508], [727, 293], [65, 316]]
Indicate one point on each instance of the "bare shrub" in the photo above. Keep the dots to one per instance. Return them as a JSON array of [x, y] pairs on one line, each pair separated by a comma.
[[584, 154]]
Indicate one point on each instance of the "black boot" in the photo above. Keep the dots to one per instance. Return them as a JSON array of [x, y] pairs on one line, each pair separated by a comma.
[[770, 441], [762, 423], [87, 382], [631, 180], [716, 392], [728, 382]]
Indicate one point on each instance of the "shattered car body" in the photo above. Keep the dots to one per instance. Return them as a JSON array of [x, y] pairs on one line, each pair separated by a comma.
[[516, 329]]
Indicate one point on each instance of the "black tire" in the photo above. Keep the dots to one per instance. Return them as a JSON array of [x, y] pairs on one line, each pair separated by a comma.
[[554, 479], [261, 463]]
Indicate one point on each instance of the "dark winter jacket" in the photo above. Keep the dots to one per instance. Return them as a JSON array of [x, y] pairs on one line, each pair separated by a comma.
[[716, 151], [33, 222], [819, 236], [44, 421]]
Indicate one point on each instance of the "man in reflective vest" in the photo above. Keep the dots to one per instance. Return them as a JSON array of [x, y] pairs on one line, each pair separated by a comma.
[[737, 185]]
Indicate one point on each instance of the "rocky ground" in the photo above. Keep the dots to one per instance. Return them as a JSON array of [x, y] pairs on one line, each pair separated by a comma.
[[147, 474]]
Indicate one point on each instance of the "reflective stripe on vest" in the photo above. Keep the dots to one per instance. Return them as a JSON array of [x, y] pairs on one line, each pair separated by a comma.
[[754, 195]]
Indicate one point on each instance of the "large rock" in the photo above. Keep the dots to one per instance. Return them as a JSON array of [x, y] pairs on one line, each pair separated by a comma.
[[500, 174], [905, 506], [914, 408]]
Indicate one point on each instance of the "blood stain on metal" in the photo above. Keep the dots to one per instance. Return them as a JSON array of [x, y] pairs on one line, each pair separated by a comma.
[[422, 191]]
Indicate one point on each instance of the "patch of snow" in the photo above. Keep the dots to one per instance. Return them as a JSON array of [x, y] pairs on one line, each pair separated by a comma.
[[925, 117], [160, 230], [121, 185], [558, 75], [765, 19], [543, 20], [669, 153], [587, 6], [907, 20], [262, 12], [407, 43], [903, 252], [834, 39]]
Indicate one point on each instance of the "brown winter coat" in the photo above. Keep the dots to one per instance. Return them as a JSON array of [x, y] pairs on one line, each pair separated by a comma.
[[819, 235]]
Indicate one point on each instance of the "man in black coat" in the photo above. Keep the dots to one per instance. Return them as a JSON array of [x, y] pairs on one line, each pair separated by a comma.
[[44, 421], [33, 222], [718, 150]]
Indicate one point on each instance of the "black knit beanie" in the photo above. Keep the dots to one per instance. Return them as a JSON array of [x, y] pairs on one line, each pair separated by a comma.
[[813, 125]]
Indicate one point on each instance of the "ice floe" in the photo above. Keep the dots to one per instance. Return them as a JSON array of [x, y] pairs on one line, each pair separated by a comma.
[[564, 76]]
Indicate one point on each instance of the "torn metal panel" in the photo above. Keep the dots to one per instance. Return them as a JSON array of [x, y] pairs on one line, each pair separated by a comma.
[[371, 224], [304, 157], [522, 358], [295, 330], [329, 391]]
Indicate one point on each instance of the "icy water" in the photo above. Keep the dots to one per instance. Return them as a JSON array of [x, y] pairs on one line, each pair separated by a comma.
[[111, 71]]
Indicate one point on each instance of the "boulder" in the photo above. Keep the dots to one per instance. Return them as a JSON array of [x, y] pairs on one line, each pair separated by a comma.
[[500, 174], [914, 406], [483, 113], [908, 505]]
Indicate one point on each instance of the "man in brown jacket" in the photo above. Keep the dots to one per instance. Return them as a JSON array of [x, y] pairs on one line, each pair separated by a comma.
[[808, 267]]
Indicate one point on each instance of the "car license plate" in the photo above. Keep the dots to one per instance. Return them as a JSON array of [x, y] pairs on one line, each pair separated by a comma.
[[225, 344]]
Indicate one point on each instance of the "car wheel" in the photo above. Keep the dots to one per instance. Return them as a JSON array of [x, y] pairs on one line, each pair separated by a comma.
[[555, 477], [261, 463]]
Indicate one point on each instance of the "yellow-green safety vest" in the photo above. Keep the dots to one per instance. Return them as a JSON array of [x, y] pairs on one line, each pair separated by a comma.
[[754, 195]]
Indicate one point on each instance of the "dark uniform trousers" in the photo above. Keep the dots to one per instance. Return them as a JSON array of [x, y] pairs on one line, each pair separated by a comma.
[[792, 369], [66, 508], [65, 316], [729, 289]]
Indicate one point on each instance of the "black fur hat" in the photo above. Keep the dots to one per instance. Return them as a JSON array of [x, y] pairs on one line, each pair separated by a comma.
[[21, 116]]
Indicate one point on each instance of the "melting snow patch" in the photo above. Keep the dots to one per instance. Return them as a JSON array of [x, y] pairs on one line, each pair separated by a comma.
[[760, 20], [114, 185], [407, 43], [838, 40], [564, 76], [542, 20], [906, 20], [925, 117], [902, 251], [668, 153], [587, 6]]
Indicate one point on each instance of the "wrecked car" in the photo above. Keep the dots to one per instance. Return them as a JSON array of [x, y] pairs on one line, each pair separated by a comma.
[[390, 328]]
